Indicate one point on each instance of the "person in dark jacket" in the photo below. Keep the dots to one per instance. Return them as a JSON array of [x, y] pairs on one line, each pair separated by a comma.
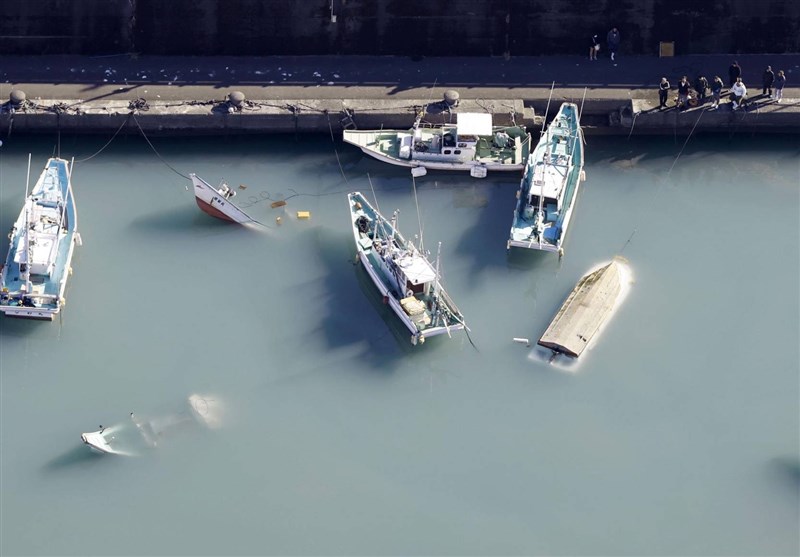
[[716, 91], [734, 72], [594, 47], [767, 80], [701, 85], [663, 91], [613, 39], [683, 93]]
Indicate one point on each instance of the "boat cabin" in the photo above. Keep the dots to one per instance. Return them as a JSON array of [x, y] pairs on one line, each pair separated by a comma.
[[412, 273], [452, 142]]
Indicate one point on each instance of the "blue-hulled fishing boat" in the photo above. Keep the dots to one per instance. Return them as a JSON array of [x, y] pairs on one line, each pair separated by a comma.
[[408, 282], [42, 240], [549, 186]]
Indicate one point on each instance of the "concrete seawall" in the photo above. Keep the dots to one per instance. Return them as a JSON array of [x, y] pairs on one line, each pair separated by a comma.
[[600, 116]]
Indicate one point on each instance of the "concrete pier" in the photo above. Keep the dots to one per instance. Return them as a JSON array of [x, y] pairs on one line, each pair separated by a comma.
[[182, 95]]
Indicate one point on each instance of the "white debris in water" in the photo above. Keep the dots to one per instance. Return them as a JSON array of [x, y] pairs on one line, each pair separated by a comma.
[[336, 75], [317, 74]]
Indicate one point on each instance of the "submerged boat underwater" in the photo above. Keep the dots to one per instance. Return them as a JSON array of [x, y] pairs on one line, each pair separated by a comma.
[[217, 201], [407, 281], [134, 437], [471, 144], [549, 186], [42, 240]]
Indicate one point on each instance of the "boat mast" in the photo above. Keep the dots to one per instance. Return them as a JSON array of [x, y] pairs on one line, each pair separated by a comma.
[[26, 274]]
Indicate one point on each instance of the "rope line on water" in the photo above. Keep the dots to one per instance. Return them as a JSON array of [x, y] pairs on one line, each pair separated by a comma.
[[154, 149], [119, 129]]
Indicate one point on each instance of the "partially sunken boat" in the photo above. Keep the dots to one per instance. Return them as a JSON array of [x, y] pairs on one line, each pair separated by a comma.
[[217, 201], [405, 278], [42, 240], [139, 434], [585, 310], [472, 144], [549, 186]]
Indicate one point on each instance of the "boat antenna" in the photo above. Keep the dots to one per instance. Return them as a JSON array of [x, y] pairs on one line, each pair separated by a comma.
[[419, 219], [28, 179], [381, 221], [580, 112], [547, 109], [425, 106]]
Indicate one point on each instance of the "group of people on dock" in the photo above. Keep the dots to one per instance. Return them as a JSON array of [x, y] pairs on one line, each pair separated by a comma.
[[695, 94]]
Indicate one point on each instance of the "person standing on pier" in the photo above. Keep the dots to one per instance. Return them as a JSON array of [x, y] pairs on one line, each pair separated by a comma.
[[613, 39], [780, 81], [683, 93], [701, 85], [734, 72], [716, 91], [663, 91], [767, 80]]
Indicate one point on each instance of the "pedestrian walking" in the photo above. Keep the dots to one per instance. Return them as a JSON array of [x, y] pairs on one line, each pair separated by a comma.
[[738, 93], [683, 93], [594, 47], [701, 85], [663, 91], [613, 39], [767, 80], [780, 81], [734, 72], [716, 91]]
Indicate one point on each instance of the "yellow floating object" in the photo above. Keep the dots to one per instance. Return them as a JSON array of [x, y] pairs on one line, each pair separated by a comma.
[[303, 214]]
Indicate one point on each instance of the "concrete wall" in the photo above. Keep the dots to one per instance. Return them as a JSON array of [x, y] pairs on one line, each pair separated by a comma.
[[401, 27]]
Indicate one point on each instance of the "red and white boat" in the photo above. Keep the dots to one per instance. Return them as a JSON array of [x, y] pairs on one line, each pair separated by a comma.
[[217, 201]]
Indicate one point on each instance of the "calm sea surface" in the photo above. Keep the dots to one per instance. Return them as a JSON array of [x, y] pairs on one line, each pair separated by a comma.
[[676, 435]]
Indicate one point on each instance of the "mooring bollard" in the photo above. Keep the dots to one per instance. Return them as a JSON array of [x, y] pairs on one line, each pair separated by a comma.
[[17, 98]]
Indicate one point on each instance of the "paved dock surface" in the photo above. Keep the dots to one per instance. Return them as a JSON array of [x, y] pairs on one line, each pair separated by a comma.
[[604, 85]]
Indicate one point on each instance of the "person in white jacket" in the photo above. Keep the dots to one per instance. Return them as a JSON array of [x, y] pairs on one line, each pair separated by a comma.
[[738, 93]]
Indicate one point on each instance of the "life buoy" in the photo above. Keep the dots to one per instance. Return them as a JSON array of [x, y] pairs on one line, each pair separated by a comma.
[[409, 293]]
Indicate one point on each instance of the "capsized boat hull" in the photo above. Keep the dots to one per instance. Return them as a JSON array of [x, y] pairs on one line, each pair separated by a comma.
[[548, 191], [42, 242], [216, 203], [423, 308]]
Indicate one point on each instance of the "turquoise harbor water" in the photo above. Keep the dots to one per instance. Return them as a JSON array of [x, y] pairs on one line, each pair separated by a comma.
[[676, 435]]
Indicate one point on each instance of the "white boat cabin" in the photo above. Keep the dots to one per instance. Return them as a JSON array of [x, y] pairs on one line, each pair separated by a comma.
[[450, 143], [549, 181], [43, 221]]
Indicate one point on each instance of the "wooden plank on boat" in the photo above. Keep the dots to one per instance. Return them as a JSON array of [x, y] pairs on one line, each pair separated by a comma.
[[584, 311]]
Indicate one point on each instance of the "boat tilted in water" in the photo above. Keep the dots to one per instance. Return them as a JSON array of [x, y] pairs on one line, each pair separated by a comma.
[[217, 201], [405, 278], [549, 187], [472, 144], [35, 273]]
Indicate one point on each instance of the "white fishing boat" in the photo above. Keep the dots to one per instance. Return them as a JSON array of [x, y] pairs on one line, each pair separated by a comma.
[[42, 240], [472, 144], [408, 282], [549, 186], [217, 201], [133, 437]]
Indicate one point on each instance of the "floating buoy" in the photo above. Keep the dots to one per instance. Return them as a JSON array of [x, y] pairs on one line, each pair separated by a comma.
[[278, 220], [303, 214]]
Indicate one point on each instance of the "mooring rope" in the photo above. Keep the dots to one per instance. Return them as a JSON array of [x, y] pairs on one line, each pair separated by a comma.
[[154, 149]]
